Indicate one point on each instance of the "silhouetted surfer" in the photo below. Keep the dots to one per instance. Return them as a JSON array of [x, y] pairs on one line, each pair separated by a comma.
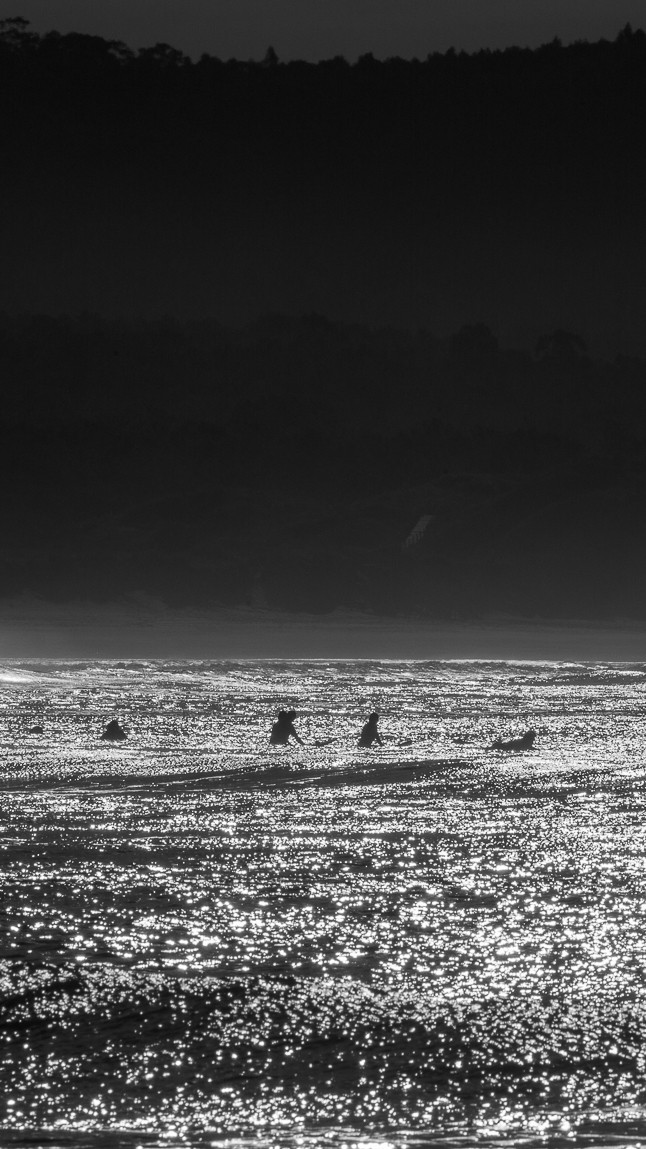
[[370, 734], [525, 742], [113, 732], [283, 729]]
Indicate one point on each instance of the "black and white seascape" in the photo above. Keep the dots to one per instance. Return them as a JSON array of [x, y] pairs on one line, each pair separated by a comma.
[[323, 378], [208, 940]]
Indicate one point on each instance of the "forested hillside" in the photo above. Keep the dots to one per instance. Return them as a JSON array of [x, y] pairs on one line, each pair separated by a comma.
[[499, 187], [286, 464]]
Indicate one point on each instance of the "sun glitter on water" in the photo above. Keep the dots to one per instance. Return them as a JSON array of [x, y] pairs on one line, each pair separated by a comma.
[[207, 938]]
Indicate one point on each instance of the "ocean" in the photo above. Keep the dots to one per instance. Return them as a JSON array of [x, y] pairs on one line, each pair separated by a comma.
[[207, 940]]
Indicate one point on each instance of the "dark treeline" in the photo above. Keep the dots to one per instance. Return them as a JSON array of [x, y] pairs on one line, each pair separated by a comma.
[[281, 379], [287, 462], [502, 184]]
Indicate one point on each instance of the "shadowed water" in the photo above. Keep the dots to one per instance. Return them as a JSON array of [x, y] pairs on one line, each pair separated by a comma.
[[204, 939]]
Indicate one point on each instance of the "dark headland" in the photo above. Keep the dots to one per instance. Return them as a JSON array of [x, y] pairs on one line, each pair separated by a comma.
[[312, 338]]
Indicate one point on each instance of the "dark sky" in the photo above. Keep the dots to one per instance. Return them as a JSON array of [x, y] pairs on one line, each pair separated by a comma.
[[317, 29]]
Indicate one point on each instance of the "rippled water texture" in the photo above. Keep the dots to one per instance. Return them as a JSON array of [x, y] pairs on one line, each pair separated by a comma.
[[208, 940]]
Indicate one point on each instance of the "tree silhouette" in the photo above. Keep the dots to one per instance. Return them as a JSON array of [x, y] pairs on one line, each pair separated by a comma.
[[561, 345], [474, 342], [270, 58]]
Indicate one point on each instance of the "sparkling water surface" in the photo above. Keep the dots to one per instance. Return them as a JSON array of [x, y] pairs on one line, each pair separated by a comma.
[[206, 940]]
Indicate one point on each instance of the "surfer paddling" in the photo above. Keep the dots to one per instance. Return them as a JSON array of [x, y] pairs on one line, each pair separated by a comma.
[[113, 732], [283, 729], [525, 742]]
